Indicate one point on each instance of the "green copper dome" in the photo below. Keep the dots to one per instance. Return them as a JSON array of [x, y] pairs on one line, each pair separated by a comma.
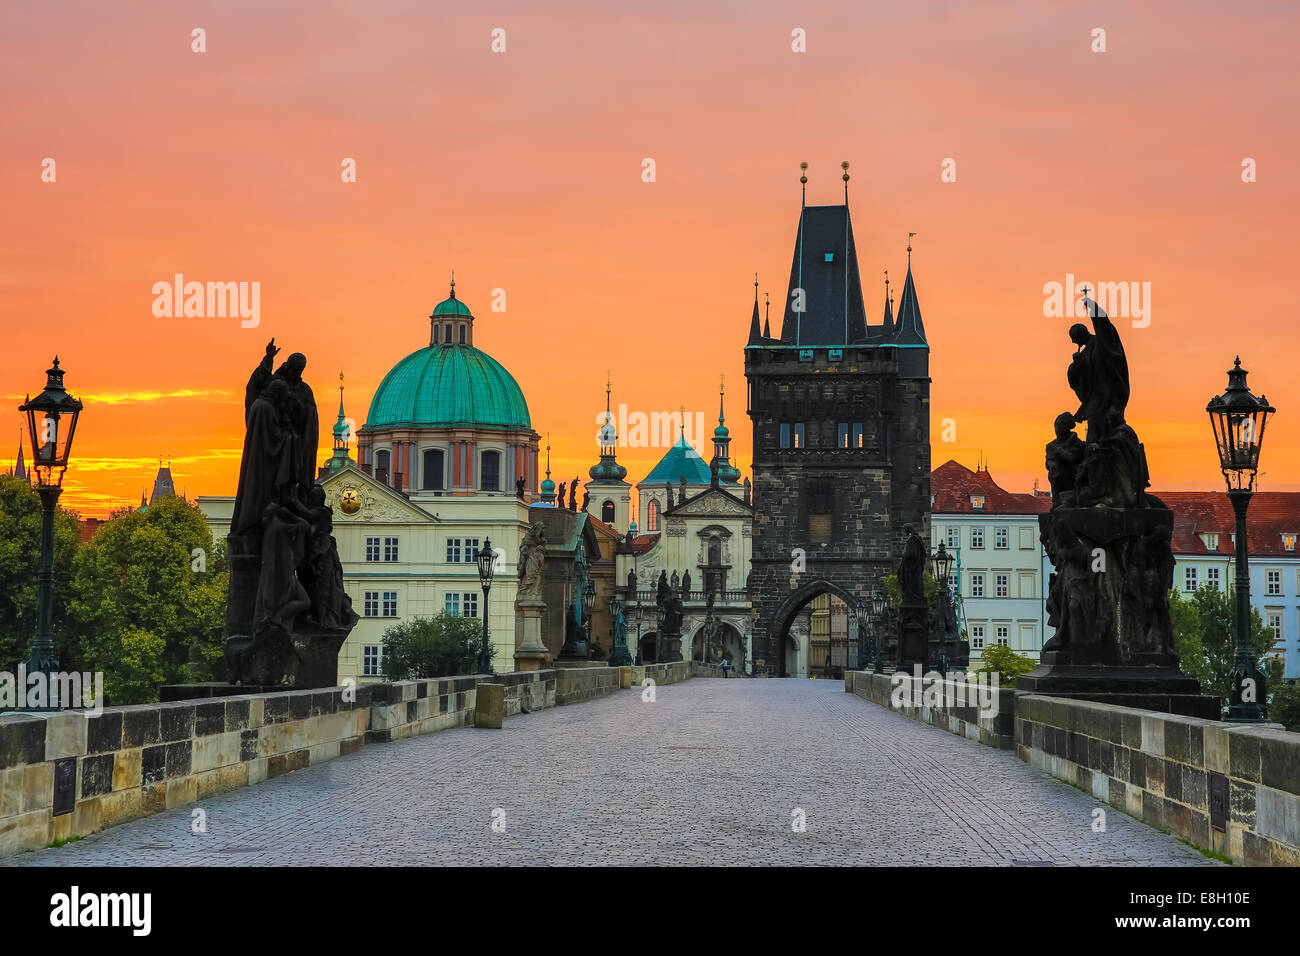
[[452, 306], [444, 386]]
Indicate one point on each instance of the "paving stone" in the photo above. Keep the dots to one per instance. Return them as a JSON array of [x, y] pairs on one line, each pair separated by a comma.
[[712, 772]]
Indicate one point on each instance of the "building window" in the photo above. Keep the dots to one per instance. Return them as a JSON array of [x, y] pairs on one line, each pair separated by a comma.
[[842, 435], [715, 551], [977, 637], [1212, 577], [471, 549], [390, 549], [977, 585], [453, 550], [462, 334], [372, 549], [469, 604], [785, 436], [431, 477], [435, 335], [1273, 582], [954, 583], [371, 604], [1001, 585], [1000, 539], [977, 502], [1189, 579], [607, 512], [652, 515], [798, 435], [857, 435], [977, 537], [490, 472], [389, 604], [372, 659], [381, 466], [1275, 625], [1288, 542], [447, 333], [451, 604], [1003, 634], [954, 538]]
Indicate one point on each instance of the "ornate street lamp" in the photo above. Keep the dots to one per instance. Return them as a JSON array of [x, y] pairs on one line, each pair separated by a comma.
[[1238, 419], [51, 423], [588, 607], [486, 569], [877, 614], [941, 561]]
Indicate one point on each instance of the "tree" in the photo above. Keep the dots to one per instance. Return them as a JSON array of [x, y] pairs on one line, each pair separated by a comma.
[[151, 582], [1204, 639], [1007, 664], [894, 590], [20, 557], [441, 646]]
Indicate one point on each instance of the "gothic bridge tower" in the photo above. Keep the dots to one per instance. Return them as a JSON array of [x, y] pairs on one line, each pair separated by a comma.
[[841, 452]]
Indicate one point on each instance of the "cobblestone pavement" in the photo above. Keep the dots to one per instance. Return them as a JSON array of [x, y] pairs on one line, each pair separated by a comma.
[[712, 772]]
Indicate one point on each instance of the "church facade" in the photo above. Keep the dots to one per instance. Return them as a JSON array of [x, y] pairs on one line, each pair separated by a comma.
[[841, 436]]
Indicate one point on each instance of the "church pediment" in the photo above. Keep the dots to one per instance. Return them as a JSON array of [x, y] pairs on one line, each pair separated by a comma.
[[357, 497], [711, 502]]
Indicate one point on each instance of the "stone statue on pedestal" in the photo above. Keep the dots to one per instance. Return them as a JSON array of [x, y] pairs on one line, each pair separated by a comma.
[[287, 613], [1109, 542], [532, 558]]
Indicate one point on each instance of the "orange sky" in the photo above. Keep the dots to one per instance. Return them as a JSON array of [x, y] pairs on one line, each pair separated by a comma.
[[522, 170]]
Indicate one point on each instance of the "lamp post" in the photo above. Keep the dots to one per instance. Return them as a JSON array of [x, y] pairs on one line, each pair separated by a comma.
[[588, 607], [1238, 419], [877, 614], [486, 569], [51, 424], [941, 561]]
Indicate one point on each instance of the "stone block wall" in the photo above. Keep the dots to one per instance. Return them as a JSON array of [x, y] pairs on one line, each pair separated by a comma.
[[1166, 770], [993, 729], [128, 762], [576, 684]]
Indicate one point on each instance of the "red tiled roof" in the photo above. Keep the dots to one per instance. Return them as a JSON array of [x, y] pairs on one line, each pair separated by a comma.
[[1271, 514], [952, 485], [638, 545]]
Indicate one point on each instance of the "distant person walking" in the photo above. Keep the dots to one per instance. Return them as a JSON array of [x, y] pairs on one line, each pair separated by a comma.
[[725, 664]]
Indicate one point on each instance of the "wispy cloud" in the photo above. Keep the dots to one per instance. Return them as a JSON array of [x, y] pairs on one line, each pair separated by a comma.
[[123, 397]]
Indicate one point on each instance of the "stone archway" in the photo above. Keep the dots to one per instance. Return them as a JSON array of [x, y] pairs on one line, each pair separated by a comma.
[[789, 609]]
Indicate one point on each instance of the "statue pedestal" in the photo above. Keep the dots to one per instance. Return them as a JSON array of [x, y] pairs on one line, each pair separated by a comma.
[[668, 648], [1166, 689], [913, 637], [530, 651]]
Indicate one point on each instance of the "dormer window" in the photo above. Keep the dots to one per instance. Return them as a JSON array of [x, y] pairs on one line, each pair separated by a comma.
[[1288, 542], [977, 502], [1211, 541]]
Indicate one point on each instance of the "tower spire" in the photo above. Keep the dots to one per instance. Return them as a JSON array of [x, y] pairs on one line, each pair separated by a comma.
[[342, 436], [754, 334], [845, 166], [767, 316]]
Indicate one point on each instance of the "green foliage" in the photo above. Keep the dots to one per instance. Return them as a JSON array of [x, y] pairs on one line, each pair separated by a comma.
[[441, 646], [20, 556], [1006, 663], [146, 615], [894, 590], [1284, 703], [1203, 637]]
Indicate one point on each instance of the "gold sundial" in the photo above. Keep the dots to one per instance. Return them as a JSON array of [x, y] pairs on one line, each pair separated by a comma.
[[350, 501]]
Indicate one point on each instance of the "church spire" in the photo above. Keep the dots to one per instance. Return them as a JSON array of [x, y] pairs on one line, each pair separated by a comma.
[[342, 437], [720, 468], [608, 469], [889, 308], [755, 336], [548, 486]]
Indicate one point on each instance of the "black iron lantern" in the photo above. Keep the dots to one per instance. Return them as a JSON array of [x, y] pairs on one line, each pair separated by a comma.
[[51, 423], [877, 604], [1238, 419], [942, 562], [486, 570]]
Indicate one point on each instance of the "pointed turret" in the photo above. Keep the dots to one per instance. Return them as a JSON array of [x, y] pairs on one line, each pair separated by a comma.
[[888, 321], [342, 437], [755, 333], [767, 315], [163, 486], [911, 330], [720, 468], [20, 466], [548, 486]]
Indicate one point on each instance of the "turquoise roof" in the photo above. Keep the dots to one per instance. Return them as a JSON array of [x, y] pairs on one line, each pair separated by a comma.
[[452, 306], [681, 460], [445, 386]]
